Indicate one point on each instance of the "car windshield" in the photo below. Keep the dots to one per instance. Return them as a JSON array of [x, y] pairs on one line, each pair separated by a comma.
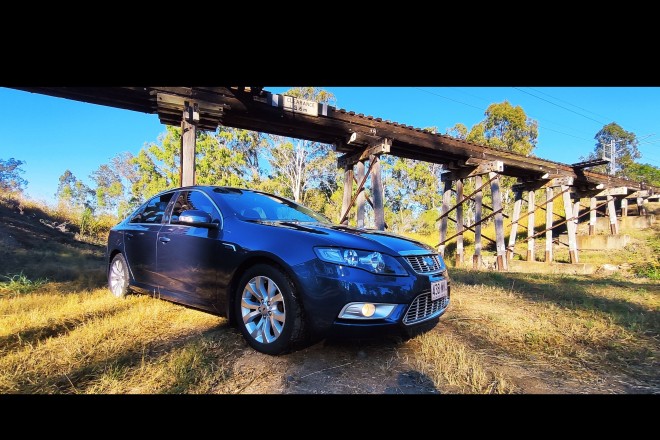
[[250, 205]]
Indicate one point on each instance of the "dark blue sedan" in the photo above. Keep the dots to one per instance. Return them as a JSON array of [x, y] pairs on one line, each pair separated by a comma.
[[280, 272]]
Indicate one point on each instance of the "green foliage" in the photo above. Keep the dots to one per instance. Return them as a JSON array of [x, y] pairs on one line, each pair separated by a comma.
[[458, 131], [426, 223], [643, 172], [626, 149], [477, 134], [508, 128], [312, 94], [216, 164], [86, 221], [418, 183], [250, 145], [73, 193], [10, 175], [649, 265], [157, 165], [648, 270], [109, 187], [20, 284], [302, 166], [505, 127]]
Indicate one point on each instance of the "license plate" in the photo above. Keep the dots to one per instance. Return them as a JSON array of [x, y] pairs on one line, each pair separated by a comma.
[[438, 289]]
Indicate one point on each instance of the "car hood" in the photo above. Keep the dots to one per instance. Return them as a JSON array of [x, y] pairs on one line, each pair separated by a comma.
[[359, 238]]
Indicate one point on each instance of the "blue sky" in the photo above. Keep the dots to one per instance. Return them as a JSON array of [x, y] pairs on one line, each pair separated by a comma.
[[54, 134]]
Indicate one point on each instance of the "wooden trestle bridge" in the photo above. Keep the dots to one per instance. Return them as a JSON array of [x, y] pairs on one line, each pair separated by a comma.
[[363, 139]]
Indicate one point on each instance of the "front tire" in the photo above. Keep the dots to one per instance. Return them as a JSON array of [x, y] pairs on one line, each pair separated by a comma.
[[268, 311], [118, 276]]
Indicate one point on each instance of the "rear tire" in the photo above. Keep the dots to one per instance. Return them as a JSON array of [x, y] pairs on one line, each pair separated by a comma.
[[118, 276], [268, 311]]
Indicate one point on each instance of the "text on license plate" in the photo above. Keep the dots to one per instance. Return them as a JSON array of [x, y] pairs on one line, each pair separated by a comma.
[[438, 289]]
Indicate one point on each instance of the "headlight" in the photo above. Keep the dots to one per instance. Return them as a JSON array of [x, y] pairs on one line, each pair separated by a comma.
[[374, 262]]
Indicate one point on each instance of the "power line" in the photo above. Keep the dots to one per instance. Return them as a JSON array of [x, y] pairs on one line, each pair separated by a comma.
[[641, 141], [540, 126], [486, 100], [560, 106], [470, 94], [538, 119], [450, 99], [557, 131], [576, 106]]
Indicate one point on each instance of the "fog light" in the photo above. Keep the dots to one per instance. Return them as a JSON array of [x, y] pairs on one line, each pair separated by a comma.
[[361, 310], [368, 310]]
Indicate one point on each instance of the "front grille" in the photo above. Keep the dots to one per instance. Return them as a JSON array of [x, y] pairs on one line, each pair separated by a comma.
[[423, 308], [424, 263]]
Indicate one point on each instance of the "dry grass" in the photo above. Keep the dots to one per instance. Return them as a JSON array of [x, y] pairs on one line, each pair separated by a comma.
[[90, 342], [449, 361], [578, 326]]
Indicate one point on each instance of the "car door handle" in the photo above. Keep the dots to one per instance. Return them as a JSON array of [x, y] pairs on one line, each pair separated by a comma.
[[163, 239], [129, 235]]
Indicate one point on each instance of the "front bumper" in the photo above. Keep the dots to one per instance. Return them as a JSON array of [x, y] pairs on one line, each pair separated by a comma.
[[328, 287]]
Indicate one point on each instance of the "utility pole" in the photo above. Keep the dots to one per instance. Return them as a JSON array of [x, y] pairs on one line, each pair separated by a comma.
[[612, 157]]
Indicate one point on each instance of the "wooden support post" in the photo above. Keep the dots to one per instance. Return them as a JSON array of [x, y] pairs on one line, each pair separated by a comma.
[[499, 221], [348, 192], [476, 258], [570, 226], [446, 199], [641, 210], [593, 213], [531, 207], [377, 191], [514, 224], [624, 207], [548, 225], [459, 223], [359, 171], [612, 213], [187, 152], [576, 214]]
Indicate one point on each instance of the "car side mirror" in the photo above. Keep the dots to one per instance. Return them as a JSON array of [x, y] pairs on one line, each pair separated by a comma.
[[196, 217]]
